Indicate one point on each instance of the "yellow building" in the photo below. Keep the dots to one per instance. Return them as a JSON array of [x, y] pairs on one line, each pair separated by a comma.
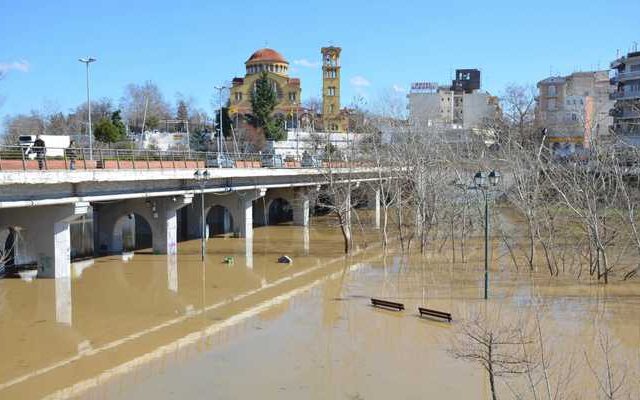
[[277, 68], [288, 92], [333, 118]]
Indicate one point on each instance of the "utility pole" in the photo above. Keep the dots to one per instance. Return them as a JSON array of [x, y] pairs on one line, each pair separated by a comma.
[[88, 61]]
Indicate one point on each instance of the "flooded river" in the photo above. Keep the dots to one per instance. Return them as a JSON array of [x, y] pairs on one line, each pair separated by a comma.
[[144, 326]]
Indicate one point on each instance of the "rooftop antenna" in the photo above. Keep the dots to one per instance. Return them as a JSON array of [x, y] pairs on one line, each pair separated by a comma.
[[635, 46]]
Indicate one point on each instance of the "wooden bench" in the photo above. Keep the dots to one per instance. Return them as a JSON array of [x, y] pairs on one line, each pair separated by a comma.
[[434, 313], [387, 304]]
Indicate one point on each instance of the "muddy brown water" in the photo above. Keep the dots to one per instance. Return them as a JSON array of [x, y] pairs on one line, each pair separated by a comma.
[[144, 326]]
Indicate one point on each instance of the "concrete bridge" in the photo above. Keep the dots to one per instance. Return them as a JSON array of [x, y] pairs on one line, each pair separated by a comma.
[[37, 208]]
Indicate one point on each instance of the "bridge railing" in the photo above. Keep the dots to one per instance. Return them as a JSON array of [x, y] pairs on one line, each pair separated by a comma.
[[16, 158]]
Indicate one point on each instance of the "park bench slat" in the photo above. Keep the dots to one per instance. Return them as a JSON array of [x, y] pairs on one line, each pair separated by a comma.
[[434, 313], [387, 304]]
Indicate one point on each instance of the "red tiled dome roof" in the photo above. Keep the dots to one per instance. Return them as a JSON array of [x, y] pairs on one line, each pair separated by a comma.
[[267, 55]]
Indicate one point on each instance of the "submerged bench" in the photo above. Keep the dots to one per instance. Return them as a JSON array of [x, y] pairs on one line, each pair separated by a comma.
[[434, 313], [387, 304]]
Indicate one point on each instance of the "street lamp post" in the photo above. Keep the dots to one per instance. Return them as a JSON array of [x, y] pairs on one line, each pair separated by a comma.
[[480, 181], [88, 61], [201, 177], [295, 127], [220, 135]]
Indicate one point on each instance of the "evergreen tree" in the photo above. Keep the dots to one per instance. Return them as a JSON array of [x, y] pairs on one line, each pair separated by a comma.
[[183, 111], [226, 122], [199, 140], [263, 102], [106, 132], [116, 120]]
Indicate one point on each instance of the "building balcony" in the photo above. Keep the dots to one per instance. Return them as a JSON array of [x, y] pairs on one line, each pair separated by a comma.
[[624, 95], [624, 76]]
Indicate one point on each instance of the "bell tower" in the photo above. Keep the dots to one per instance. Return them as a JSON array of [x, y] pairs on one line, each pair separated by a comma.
[[331, 89]]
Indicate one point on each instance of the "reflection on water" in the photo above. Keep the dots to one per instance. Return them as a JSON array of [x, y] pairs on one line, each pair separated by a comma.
[[172, 272], [142, 325], [63, 301], [248, 252]]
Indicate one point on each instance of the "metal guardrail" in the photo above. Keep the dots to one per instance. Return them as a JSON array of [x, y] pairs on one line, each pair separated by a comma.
[[20, 158]]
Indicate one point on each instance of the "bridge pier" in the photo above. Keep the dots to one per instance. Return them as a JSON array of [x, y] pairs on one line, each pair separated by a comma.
[[301, 203], [45, 233], [160, 213]]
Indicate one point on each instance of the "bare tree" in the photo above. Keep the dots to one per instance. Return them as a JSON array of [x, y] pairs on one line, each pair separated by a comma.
[[144, 104], [589, 190], [518, 104], [494, 346]]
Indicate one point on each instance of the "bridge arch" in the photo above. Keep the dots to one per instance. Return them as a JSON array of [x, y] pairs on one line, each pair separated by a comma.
[[280, 211], [131, 232], [219, 220]]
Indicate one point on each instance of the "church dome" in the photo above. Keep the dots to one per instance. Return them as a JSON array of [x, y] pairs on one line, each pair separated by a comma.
[[267, 60], [266, 55]]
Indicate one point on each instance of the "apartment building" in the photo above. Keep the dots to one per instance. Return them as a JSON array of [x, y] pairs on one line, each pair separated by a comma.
[[574, 109], [626, 110]]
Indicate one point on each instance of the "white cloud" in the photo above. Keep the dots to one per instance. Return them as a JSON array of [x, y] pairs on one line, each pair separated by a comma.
[[22, 66], [303, 62], [398, 89], [359, 81]]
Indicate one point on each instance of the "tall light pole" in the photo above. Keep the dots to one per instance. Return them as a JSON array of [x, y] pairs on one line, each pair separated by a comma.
[[296, 130], [88, 61], [220, 135], [201, 177], [480, 181]]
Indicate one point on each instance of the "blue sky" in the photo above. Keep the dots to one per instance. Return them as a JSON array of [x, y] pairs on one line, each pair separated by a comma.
[[190, 46]]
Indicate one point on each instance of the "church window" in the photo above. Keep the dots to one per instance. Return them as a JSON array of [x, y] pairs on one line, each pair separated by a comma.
[[331, 108], [238, 96], [292, 96], [331, 91]]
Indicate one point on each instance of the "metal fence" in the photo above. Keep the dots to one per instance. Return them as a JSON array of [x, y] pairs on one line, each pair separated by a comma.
[[20, 158]]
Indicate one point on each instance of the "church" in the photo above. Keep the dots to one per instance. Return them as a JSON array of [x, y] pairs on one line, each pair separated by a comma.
[[288, 92]]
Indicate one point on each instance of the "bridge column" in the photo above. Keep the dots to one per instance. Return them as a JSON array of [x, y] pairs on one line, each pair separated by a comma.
[[301, 203], [244, 212], [165, 222]]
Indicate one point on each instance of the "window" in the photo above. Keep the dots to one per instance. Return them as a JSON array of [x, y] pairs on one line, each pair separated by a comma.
[[238, 96], [292, 97], [331, 91], [331, 108], [551, 90]]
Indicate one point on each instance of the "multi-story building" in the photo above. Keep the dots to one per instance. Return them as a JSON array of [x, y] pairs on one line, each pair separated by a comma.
[[626, 111], [462, 105], [574, 109]]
